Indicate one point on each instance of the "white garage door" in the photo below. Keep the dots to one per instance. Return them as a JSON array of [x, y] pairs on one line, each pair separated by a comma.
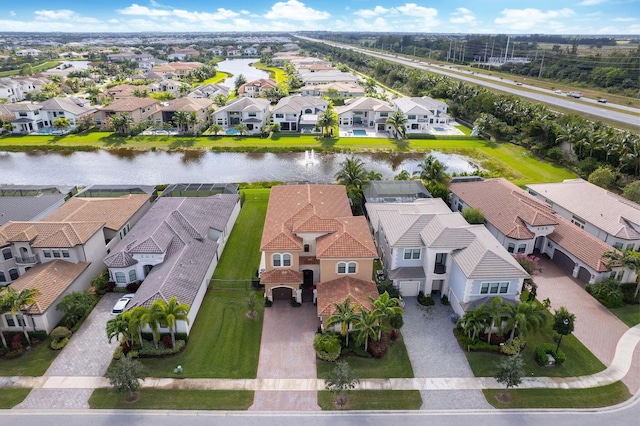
[[409, 288]]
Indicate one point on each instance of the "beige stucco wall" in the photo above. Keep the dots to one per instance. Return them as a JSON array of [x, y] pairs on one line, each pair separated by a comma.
[[295, 264], [329, 269]]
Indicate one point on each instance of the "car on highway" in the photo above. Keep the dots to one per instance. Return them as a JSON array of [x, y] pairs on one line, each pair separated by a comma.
[[559, 92], [518, 84], [121, 304], [602, 100], [576, 95]]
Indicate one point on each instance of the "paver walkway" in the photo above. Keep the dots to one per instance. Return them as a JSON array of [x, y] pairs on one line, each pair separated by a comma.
[[88, 353], [595, 326], [434, 352], [286, 351]]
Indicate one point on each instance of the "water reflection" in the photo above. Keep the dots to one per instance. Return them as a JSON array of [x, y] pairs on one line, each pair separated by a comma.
[[235, 67]]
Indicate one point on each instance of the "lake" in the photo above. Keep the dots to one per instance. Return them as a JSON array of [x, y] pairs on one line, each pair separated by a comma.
[[151, 168], [240, 66]]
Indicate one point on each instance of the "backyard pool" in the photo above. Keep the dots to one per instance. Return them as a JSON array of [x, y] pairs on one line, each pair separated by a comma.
[[359, 133], [232, 132]]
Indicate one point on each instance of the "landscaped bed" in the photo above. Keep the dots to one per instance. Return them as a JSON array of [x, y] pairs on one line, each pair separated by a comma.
[[169, 399], [373, 400]]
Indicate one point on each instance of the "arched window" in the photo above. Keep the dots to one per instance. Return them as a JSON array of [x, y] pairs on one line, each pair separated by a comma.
[[347, 268], [511, 248], [2, 278], [522, 248], [286, 260], [277, 260], [120, 278], [132, 275], [351, 268], [13, 273], [6, 253], [342, 267]]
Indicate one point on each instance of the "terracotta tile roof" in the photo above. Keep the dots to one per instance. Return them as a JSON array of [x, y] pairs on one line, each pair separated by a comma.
[[51, 279], [188, 104], [337, 291], [51, 234], [352, 240], [131, 104], [508, 208], [115, 212], [277, 276]]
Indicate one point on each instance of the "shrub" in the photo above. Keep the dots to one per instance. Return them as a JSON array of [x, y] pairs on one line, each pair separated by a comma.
[[481, 345], [543, 349], [16, 353], [628, 293], [444, 300], [16, 342], [608, 292], [133, 287], [166, 342], [389, 288], [117, 354], [294, 303], [327, 346], [396, 321], [425, 300], [59, 338], [267, 303], [378, 348], [101, 283], [148, 349], [556, 154], [513, 348], [473, 216]]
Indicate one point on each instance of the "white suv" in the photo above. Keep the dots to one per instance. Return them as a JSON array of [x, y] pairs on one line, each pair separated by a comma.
[[121, 304]]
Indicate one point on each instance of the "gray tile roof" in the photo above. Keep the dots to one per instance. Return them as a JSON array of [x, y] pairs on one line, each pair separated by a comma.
[[20, 209], [419, 206]]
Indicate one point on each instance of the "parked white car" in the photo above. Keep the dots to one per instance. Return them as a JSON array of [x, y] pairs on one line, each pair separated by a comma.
[[121, 304]]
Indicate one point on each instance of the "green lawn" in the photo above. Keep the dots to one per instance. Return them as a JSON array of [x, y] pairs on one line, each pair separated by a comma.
[[604, 396], [394, 364], [224, 343], [373, 400], [10, 397], [32, 363], [275, 73], [220, 76], [171, 399], [629, 314]]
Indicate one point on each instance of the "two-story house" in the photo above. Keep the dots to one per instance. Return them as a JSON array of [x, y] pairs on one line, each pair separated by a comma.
[[174, 250], [138, 109], [524, 224], [314, 249], [605, 215], [425, 247], [365, 112], [199, 107], [256, 88], [298, 113], [253, 113], [422, 113], [333, 90], [28, 119], [209, 91]]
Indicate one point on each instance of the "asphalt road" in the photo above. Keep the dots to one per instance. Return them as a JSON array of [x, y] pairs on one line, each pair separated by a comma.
[[630, 116], [627, 413]]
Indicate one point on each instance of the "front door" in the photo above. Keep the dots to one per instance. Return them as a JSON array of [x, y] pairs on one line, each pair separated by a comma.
[[307, 285]]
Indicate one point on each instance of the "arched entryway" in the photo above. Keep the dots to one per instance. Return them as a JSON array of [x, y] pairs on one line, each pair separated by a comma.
[[307, 285]]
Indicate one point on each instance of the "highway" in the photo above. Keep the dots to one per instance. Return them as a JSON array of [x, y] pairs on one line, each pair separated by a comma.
[[622, 113]]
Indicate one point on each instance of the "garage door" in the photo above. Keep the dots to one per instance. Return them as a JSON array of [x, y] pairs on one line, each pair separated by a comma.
[[564, 262], [281, 293], [584, 275], [409, 288]]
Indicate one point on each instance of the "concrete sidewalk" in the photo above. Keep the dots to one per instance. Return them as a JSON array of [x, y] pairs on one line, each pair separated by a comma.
[[619, 368]]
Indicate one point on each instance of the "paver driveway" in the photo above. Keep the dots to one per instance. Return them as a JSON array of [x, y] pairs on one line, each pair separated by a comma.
[[434, 352], [88, 353], [286, 352]]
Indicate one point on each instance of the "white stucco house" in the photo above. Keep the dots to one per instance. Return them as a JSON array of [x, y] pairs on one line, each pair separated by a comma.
[[253, 113], [298, 113], [423, 113], [365, 112]]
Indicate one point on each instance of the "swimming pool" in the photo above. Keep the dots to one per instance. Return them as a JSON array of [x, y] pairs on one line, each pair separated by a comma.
[[359, 133], [439, 129], [232, 132]]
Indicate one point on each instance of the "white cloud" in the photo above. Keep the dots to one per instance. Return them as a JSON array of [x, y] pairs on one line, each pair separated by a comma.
[[376, 11], [532, 19], [591, 2], [462, 15], [420, 18], [624, 19], [64, 16], [220, 14], [412, 9], [136, 9], [295, 11]]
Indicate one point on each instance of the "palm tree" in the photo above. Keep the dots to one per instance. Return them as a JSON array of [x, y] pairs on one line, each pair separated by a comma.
[[352, 175], [385, 307], [215, 128], [170, 313], [628, 259], [476, 321], [345, 315], [398, 119], [61, 123], [373, 175], [496, 313], [242, 129], [366, 325], [16, 302], [220, 100], [121, 122], [118, 328], [2, 309], [327, 121], [192, 121], [180, 119], [525, 317], [403, 175], [432, 170]]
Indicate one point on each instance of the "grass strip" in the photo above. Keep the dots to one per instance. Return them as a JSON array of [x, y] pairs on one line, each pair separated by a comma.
[[10, 397], [603, 396], [172, 399], [373, 400], [33, 362], [629, 314]]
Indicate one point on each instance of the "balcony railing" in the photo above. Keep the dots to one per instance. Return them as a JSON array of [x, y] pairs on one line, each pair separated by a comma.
[[26, 260]]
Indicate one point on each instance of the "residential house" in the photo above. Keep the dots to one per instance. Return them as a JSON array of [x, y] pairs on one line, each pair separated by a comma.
[[333, 90], [165, 85], [209, 91], [217, 51], [233, 51], [174, 250], [365, 112], [605, 215], [180, 69], [28, 119], [28, 52], [256, 88], [253, 113], [31, 118], [314, 249], [10, 90], [425, 247], [298, 113], [29, 203], [201, 107], [423, 113], [250, 51], [183, 54], [523, 224], [139, 109], [122, 91], [121, 57], [323, 77]]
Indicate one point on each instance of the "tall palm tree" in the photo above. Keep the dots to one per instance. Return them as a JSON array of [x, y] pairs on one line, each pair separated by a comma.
[[628, 259], [366, 325], [147, 317], [242, 129], [385, 307], [215, 128], [345, 315], [476, 321], [496, 314], [121, 122], [327, 121], [220, 100], [525, 317], [16, 302], [192, 121], [352, 175], [432, 170], [398, 120], [181, 119], [3, 309], [169, 313]]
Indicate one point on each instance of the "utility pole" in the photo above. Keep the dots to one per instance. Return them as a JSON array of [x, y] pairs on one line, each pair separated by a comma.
[[464, 48], [486, 45], [449, 54], [506, 51], [541, 65]]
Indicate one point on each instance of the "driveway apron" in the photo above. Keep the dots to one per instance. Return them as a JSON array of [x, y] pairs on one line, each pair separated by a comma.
[[88, 353], [595, 326], [434, 352], [286, 352]]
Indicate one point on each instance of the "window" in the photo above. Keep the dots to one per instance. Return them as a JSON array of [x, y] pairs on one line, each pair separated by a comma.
[[253, 114], [504, 287], [511, 248], [56, 253], [132, 275], [629, 247], [10, 321], [412, 253], [441, 264], [277, 260], [13, 273], [415, 126], [620, 274], [20, 319], [65, 253], [286, 260], [411, 117], [494, 288], [384, 114], [46, 253], [306, 248], [120, 278], [2, 278], [618, 246], [351, 268], [577, 221], [522, 248], [279, 115], [6, 253]]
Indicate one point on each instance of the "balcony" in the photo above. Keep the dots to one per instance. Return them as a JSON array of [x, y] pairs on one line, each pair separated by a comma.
[[26, 260], [440, 269]]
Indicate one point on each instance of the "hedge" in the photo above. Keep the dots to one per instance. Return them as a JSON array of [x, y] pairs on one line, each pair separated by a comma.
[[549, 348]]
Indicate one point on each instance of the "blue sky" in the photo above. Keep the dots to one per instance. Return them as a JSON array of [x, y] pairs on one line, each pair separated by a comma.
[[445, 16]]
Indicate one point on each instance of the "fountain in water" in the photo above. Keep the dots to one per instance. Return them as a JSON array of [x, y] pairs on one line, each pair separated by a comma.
[[309, 162]]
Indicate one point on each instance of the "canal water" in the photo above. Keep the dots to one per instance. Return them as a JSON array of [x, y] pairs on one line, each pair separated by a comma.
[[240, 66], [151, 168]]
